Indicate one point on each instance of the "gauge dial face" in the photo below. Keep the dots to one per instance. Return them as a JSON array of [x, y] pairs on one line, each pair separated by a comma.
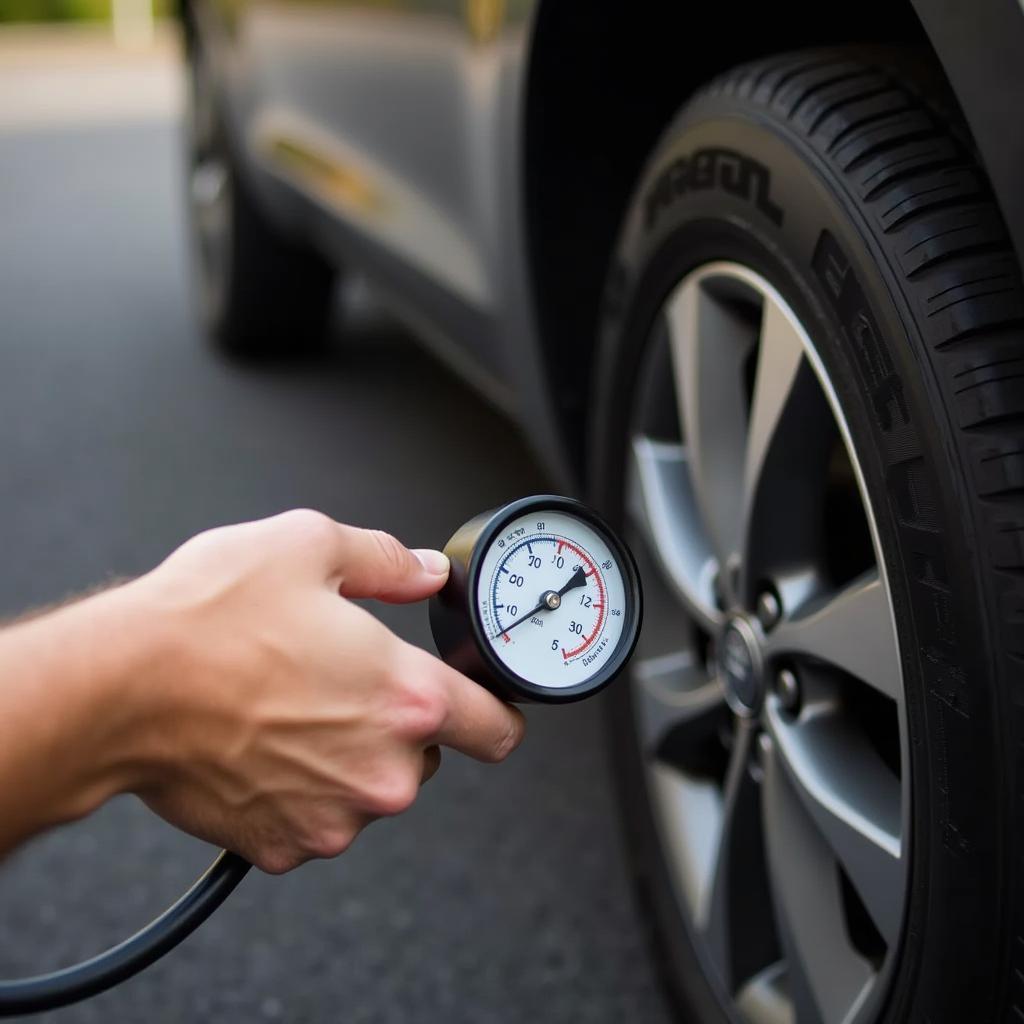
[[552, 595]]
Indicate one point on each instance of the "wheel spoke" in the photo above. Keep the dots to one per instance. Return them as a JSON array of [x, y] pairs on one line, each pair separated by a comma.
[[853, 630], [736, 916], [689, 812], [676, 704], [763, 999], [825, 976], [853, 799], [663, 504], [710, 343], [792, 434], [780, 358]]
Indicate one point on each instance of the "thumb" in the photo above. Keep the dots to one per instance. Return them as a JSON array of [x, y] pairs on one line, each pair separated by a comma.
[[371, 563]]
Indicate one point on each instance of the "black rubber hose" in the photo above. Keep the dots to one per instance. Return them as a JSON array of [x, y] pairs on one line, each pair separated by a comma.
[[90, 977]]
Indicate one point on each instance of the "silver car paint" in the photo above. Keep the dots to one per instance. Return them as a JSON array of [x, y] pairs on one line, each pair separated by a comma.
[[397, 126]]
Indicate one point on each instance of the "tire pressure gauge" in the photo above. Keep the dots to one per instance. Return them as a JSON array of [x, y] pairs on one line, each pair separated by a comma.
[[543, 602]]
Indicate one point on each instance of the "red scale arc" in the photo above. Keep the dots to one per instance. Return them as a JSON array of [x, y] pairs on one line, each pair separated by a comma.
[[566, 655]]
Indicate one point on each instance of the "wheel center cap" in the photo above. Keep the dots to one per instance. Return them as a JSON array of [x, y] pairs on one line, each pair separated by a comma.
[[741, 664]]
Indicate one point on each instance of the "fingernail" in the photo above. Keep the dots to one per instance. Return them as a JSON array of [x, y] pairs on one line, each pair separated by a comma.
[[433, 561]]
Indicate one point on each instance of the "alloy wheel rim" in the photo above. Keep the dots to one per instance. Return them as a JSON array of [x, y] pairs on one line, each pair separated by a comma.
[[768, 692]]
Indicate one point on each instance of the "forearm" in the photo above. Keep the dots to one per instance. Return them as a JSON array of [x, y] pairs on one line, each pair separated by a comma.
[[241, 694], [67, 720]]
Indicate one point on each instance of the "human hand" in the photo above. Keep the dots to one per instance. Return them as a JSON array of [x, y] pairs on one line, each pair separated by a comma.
[[280, 718]]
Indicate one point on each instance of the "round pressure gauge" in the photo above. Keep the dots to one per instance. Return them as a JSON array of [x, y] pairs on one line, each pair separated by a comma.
[[543, 602]]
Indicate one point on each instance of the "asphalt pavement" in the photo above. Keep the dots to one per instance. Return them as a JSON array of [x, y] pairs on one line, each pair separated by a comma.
[[503, 895]]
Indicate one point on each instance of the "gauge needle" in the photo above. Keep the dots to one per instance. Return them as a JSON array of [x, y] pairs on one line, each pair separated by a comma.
[[577, 579]]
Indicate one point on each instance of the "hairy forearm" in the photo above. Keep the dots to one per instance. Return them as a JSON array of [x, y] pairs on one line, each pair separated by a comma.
[[66, 716], [241, 694]]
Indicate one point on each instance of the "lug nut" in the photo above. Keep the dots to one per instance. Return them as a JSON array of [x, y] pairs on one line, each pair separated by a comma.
[[787, 689], [769, 611]]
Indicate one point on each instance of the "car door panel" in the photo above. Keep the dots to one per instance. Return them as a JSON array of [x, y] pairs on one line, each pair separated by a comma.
[[386, 116]]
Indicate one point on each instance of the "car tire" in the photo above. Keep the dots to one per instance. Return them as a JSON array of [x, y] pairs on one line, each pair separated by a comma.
[[259, 292], [842, 187]]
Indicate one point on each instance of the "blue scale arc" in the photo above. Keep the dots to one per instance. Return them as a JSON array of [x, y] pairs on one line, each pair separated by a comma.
[[544, 538], [538, 539]]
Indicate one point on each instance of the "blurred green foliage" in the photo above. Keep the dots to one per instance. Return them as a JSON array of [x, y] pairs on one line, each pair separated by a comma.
[[67, 10]]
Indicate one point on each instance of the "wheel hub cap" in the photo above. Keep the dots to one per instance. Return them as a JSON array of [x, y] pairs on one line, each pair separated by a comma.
[[742, 666]]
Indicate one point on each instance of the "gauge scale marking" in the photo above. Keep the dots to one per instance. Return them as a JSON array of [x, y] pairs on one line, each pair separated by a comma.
[[551, 599], [583, 571]]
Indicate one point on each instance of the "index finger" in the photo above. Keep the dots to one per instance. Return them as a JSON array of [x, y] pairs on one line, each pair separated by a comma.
[[476, 722], [362, 563]]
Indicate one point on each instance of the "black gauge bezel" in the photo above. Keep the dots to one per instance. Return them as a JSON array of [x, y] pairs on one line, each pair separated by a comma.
[[633, 612]]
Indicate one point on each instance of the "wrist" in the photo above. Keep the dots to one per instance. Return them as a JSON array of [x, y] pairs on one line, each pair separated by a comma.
[[125, 680]]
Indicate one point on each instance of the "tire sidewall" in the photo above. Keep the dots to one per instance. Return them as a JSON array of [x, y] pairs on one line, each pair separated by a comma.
[[729, 182]]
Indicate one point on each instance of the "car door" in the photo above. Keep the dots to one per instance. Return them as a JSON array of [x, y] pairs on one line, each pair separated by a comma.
[[388, 116]]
